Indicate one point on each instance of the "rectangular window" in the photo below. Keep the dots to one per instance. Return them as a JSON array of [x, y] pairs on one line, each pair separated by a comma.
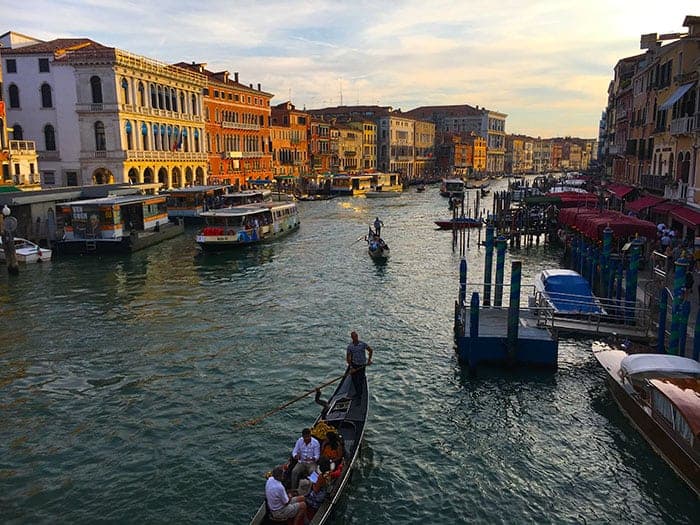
[[11, 65], [43, 65], [49, 178], [71, 178]]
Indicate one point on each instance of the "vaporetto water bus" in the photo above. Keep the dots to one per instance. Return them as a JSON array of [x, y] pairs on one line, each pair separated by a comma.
[[228, 228]]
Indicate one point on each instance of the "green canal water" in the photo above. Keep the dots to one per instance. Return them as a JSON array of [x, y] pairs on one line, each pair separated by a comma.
[[124, 382]]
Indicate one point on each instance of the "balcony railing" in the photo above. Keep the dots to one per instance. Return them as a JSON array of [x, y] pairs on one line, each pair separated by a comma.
[[239, 125], [682, 126], [25, 146], [653, 182], [253, 154], [677, 191], [173, 156]]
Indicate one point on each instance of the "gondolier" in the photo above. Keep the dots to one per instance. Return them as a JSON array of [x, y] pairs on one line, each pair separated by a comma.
[[357, 361], [378, 226]]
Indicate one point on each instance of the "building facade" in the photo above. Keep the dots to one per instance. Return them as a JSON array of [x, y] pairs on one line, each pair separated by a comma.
[[290, 149], [101, 115]]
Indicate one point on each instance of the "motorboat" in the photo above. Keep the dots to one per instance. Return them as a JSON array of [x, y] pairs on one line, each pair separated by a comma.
[[660, 395], [27, 251], [566, 292], [459, 223], [452, 188], [346, 414]]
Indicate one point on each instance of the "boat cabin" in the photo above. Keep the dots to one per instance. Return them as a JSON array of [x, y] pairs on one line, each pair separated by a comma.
[[188, 203], [387, 182], [245, 197], [452, 188], [351, 184], [111, 217]]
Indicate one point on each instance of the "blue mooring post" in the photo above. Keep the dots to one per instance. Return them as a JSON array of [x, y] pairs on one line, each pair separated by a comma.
[[631, 284], [611, 278], [462, 281], [594, 266], [500, 264], [474, 316], [488, 264], [696, 340], [605, 260], [663, 312], [680, 268], [514, 309], [574, 252], [683, 335]]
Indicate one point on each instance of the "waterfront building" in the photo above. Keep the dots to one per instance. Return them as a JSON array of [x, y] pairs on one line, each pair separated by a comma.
[[19, 166], [424, 142], [289, 141], [368, 162], [350, 142], [518, 155], [101, 115], [460, 155], [491, 125], [541, 155], [237, 123], [319, 141]]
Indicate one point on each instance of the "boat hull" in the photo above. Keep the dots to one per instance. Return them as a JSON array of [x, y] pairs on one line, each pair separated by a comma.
[[236, 241], [351, 427], [382, 194], [656, 435], [132, 243], [459, 224]]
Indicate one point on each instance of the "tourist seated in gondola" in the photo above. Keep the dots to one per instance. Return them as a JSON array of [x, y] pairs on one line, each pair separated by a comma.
[[280, 505], [321, 485], [306, 452], [332, 448]]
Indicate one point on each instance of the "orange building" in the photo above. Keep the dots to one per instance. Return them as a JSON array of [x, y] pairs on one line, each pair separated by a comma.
[[289, 141], [237, 124]]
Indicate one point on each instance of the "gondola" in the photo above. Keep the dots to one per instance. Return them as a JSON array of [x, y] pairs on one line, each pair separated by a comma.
[[347, 414], [376, 247], [459, 223]]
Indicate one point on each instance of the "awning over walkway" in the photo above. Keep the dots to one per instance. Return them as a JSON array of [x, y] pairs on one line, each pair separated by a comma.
[[687, 216], [591, 223], [571, 199], [677, 94], [644, 202], [620, 190], [666, 207]]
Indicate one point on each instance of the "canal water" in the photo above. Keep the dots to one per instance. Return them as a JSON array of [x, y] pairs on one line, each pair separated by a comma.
[[126, 382]]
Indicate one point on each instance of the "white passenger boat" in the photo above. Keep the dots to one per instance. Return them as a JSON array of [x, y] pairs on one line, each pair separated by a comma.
[[452, 188], [27, 251], [244, 225]]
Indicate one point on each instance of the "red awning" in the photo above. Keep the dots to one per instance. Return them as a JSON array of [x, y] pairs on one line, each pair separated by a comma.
[[620, 190], [591, 223], [666, 207], [644, 202], [687, 216]]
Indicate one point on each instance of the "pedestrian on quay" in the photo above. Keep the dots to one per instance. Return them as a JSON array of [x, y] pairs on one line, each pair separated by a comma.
[[357, 361]]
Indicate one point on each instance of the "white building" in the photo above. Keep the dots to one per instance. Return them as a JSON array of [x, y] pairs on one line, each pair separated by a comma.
[[100, 115]]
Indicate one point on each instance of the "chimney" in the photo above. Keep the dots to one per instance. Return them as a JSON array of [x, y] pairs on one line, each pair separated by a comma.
[[235, 77], [225, 76], [251, 85], [259, 87]]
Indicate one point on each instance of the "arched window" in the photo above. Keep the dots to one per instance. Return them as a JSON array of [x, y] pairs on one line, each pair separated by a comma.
[[142, 95], [154, 97], [166, 97], [18, 133], [144, 135], [46, 101], [100, 142], [129, 136], [125, 90], [160, 97], [194, 104], [670, 166], [196, 140], [182, 103], [96, 88], [173, 99], [13, 92], [49, 138]]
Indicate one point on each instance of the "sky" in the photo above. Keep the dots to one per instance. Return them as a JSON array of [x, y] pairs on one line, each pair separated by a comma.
[[545, 63]]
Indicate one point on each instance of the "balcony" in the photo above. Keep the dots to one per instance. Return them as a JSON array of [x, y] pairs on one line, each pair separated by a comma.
[[22, 146], [253, 154], [232, 155], [227, 124], [677, 191], [653, 182], [165, 156], [682, 126]]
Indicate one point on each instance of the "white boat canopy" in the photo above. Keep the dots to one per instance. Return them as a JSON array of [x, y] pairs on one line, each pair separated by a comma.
[[636, 364]]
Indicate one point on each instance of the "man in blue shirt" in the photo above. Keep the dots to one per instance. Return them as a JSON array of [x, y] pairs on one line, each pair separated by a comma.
[[378, 226], [357, 361]]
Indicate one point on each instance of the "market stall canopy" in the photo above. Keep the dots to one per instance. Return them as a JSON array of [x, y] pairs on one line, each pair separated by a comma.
[[620, 190], [687, 216], [591, 223], [666, 207], [644, 202], [574, 199]]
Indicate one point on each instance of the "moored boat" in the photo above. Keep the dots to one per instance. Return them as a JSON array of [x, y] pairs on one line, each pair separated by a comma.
[[660, 395], [378, 192], [420, 188], [189, 203], [244, 225], [120, 224], [459, 223], [345, 414], [566, 292], [27, 252], [452, 188]]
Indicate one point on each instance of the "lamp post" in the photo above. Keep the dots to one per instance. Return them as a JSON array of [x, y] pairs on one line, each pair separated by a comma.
[[9, 224]]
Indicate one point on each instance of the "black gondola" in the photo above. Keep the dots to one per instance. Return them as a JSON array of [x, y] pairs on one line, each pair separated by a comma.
[[347, 413]]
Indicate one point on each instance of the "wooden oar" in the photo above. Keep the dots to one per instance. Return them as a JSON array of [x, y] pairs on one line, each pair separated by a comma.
[[284, 405], [359, 239]]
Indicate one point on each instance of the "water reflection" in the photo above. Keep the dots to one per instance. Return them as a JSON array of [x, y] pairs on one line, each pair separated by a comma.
[[211, 265]]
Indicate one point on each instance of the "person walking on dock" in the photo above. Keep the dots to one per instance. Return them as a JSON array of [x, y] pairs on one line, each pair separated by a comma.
[[357, 361], [378, 227]]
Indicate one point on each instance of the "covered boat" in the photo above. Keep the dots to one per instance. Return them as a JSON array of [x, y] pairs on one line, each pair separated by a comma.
[[346, 414], [566, 292], [452, 188], [660, 395]]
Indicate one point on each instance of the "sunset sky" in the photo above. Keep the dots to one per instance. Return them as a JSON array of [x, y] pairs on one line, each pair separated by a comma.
[[546, 64]]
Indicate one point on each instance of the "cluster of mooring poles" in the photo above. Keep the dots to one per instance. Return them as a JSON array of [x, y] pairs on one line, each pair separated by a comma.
[[479, 330]]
